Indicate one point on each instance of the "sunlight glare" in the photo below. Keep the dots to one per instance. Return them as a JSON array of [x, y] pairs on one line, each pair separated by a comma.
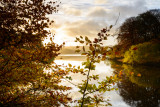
[[61, 36]]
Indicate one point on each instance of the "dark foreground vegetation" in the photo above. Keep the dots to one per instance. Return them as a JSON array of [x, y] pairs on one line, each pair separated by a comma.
[[29, 76]]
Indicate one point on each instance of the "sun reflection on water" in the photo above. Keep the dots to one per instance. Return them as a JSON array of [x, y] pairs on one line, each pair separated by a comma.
[[103, 69]]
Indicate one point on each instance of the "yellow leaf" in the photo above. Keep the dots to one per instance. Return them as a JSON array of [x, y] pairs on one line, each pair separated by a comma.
[[91, 48], [69, 65], [103, 58], [132, 73], [120, 73], [83, 53]]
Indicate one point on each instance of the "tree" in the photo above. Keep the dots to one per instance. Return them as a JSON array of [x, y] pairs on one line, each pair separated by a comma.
[[92, 93], [143, 53], [28, 74], [23, 57], [23, 21], [142, 28], [149, 25], [127, 32], [116, 51]]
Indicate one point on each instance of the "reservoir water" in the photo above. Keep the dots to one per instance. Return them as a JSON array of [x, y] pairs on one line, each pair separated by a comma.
[[139, 86]]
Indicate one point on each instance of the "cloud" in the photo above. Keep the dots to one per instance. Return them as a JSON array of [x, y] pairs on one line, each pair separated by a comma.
[[104, 14], [131, 8], [84, 27], [100, 1], [88, 17], [125, 8], [71, 11], [98, 12]]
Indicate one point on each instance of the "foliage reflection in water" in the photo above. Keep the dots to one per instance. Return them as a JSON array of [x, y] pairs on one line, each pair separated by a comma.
[[139, 85]]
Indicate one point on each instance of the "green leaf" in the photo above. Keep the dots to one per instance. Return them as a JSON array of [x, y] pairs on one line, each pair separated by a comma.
[[94, 86]]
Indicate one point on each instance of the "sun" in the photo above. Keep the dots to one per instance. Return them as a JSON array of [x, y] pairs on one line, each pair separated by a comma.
[[58, 38], [62, 37]]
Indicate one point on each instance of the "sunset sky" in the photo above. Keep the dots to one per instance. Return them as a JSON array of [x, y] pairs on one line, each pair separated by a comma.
[[88, 17]]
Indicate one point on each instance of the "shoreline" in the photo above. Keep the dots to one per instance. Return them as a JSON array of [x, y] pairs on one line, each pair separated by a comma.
[[120, 60]]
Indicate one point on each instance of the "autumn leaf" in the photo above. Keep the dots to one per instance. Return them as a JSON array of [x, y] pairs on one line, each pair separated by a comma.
[[78, 50], [70, 65], [135, 48], [139, 75], [83, 48]]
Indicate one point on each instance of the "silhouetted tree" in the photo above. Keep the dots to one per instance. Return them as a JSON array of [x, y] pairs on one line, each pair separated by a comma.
[[142, 28], [23, 57], [23, 21]]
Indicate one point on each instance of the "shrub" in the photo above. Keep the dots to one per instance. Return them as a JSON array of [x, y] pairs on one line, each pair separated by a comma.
[[147, 52]]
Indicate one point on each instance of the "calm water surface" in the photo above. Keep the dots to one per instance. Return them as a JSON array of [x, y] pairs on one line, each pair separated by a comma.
[[139, 86]]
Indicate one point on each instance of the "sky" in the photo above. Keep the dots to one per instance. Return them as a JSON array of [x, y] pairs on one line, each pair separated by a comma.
[[88, 17]]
